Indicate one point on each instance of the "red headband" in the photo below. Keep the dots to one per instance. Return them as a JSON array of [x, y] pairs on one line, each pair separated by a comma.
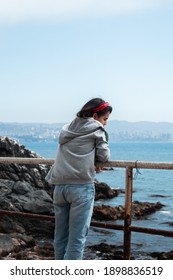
[[101, 107]]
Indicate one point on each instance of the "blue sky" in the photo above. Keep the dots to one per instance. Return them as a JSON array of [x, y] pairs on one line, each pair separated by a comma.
[[56, 55]]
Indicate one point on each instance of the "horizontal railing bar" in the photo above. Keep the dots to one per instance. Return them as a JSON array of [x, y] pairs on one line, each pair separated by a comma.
[[52, 218], [27, 215], [151, 231], [113, 163], [94, 224], [20, 160], [138, 164], [107, 225]]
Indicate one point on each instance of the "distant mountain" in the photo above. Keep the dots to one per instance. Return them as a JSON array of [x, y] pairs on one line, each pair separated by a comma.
[[117, 130]]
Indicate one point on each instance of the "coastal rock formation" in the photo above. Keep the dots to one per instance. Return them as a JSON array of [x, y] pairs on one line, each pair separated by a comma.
[[34, 175], [139, 210], [104, 251], [23, 187]]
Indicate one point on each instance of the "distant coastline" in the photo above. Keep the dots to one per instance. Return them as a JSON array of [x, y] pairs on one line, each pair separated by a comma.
[[118, 131]]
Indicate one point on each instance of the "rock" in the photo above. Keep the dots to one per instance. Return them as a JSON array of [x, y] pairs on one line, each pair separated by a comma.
[[14, 243], [139, 210], [23, 187], [103, 191], [106, 212], [142, 209], [6, 244], [162, 255], [31, 174], [108, 168], [21, 196], [10, 225], [11, 148], [104, 251], [42, 251]]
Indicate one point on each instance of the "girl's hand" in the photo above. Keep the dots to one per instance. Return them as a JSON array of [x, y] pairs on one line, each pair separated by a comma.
[[98, 169]]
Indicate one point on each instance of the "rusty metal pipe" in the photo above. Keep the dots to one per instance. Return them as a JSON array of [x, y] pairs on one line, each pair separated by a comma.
[[152, 231], [128, 212], [27, 215], [17, 160], [114, 163]]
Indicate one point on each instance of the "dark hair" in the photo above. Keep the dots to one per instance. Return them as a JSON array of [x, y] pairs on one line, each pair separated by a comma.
[[87, 110]]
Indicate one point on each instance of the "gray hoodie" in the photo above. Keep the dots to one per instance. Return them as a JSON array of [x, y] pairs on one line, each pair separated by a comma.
[[81, 144]]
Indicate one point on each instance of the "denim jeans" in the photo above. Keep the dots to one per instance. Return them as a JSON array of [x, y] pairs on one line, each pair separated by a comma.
[[73, 206]]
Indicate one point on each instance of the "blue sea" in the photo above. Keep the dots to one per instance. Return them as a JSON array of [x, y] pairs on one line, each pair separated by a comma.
[[148, 185]]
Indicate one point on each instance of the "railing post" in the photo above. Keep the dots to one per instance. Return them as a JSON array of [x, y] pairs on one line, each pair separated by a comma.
[[128, 212]]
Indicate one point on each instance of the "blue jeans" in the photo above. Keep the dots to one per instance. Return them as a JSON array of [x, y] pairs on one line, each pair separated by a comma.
[[73, 206]]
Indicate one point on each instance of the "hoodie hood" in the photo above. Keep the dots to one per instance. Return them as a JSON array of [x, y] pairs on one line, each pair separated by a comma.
[[78, 127]]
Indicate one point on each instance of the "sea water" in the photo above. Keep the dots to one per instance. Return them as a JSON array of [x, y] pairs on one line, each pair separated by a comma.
[[148, 185]]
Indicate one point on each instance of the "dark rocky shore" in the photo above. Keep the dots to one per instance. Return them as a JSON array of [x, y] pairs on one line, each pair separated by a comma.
[[24, 189]]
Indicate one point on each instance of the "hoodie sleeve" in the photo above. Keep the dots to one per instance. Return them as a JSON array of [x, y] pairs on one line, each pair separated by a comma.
[[102, 151]]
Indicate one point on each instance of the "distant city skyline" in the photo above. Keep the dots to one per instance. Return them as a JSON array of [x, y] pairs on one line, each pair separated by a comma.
[[117, 130], [56, 55]]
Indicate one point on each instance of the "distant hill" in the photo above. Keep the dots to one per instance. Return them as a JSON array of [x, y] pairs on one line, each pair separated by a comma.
[[146, 131], [117, 130]]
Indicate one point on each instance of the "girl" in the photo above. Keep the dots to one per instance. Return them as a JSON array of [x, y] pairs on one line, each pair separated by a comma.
[[82, 144]]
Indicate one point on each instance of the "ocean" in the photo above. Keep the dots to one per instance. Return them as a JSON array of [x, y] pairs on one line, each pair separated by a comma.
[[148, 185]]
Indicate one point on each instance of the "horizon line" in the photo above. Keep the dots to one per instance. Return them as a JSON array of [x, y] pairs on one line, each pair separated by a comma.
[[60, 122]]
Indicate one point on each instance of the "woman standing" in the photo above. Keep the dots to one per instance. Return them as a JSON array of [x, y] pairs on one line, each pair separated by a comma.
[[82, 144]]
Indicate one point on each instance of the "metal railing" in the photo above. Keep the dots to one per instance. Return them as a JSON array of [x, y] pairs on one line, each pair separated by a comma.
[[129, 166]]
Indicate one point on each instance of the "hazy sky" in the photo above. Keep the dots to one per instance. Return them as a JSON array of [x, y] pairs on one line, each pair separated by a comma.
[[56, 55]]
